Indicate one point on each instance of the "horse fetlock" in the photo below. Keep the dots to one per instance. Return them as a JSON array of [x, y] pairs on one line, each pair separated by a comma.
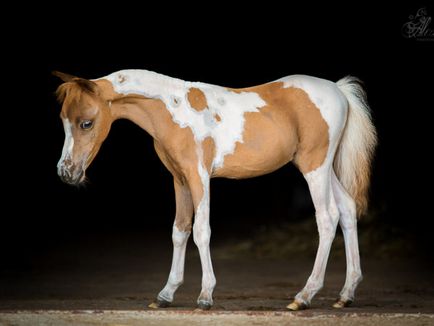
[[204, 304], [353, 280], [205, 297], [208, 284], [302, 299], [347, 294], [356, 277], [165, 296], [175, 280], [176, 283], [311, 288]]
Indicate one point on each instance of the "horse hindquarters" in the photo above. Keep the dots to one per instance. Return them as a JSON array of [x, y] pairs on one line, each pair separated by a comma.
[[335, 197]]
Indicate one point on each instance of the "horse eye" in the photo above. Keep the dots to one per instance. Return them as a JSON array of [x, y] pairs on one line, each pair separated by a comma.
[[86, 124]]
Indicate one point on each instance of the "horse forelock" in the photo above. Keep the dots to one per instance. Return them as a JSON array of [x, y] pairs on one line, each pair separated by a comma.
[[73, 91]]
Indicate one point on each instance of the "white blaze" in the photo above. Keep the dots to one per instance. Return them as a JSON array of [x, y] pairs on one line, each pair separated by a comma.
[[68, 145], [229, 106]]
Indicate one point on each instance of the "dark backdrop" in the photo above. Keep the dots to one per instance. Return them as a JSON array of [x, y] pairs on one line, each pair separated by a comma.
[[130, 190]]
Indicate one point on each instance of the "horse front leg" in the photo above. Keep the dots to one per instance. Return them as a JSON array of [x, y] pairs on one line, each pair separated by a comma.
[[199, 185], [180, 234]]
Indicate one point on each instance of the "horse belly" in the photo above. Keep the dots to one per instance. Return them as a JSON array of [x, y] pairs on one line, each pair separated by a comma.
[[267, 145]]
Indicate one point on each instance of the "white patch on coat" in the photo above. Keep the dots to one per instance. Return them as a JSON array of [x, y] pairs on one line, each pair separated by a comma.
[[229, 106], [68, 146]]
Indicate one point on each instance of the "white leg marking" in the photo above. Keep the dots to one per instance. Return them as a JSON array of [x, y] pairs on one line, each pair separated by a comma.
[[176, 276], [202, 235], [348, 223], [327, 217], [68, 146]]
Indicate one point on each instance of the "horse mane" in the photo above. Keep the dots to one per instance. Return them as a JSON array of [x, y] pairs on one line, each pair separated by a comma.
[[75, 88]]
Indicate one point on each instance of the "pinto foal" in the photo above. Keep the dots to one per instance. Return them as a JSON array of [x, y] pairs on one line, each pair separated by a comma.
[[202, 131]]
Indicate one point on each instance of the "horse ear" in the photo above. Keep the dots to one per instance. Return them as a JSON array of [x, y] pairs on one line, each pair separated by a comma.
[[85, 84], [64, 77]]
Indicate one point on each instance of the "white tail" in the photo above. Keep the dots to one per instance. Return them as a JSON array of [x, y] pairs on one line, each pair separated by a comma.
[[352, 162]]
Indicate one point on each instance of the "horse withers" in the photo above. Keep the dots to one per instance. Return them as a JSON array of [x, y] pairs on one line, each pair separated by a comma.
[[202, 131]]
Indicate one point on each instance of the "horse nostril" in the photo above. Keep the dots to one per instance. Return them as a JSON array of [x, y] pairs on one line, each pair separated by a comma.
[[71, 177], [65, 178], [63, 172]]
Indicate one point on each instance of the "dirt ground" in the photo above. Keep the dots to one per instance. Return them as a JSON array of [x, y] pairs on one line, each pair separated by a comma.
[[113, 279]]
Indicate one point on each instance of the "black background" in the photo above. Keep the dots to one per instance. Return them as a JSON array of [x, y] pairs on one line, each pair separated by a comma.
[[129, 189]]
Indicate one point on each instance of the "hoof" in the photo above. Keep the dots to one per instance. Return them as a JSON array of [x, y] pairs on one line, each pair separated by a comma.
[[204, 305], [159, 304], [296, 305], [339, 304]]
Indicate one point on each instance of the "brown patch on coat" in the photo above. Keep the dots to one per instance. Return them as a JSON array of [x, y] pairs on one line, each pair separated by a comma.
[[184, 206], [197, 99], [208, 150], [107, 91], [171, 146], [313, 132], [289, 127], [217, 117]]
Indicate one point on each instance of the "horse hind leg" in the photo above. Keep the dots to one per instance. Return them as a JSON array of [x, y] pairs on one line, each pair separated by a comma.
[[348, 223], [327, 217]]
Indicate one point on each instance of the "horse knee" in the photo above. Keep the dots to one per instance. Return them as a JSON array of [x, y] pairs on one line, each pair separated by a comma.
[[201, 235], [179, 238], [356, 277]]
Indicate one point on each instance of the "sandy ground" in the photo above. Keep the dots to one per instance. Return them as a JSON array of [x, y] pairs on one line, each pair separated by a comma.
[[111, 281], [172, 318]]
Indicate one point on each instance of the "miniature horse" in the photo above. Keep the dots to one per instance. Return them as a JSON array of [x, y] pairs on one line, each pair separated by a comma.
[[202, 131]]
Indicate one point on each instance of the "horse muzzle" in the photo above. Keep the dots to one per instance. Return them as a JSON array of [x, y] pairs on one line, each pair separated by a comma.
[[70, 174]]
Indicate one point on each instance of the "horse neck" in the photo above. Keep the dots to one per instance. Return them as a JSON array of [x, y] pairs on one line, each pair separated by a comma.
[[145, 110], [149, 114]]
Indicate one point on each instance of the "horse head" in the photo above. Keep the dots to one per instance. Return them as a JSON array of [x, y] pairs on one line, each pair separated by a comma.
[[86, 120]]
